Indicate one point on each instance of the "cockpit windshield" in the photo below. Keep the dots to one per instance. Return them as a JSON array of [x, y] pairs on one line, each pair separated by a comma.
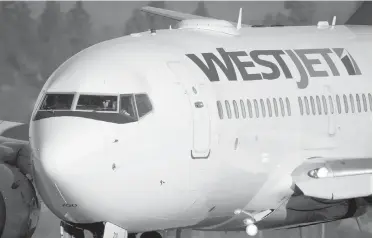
[[57, 102], [97, 103], [125, 108]]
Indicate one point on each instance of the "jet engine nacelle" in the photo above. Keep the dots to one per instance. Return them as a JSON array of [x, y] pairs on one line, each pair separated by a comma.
[[19, 205]]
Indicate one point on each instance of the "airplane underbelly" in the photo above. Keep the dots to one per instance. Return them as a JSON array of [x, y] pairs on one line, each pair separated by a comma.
[[233, 186], [256, 172]]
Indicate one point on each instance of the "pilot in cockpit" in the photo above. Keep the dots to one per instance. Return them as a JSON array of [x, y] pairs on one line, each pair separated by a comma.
[[110, 105], [106, 104]]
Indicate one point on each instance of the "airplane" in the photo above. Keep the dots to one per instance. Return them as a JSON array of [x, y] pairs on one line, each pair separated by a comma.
[[210, 126]]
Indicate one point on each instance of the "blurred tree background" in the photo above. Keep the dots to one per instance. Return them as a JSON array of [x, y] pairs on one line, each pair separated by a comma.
[[31, 48]]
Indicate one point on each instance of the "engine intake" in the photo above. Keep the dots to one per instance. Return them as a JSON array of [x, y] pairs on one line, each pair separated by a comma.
[[19, 205]]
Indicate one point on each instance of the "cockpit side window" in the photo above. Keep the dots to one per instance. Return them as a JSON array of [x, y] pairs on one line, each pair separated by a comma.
[[143, 104], [127, 106], [97, 103], [57, 102]]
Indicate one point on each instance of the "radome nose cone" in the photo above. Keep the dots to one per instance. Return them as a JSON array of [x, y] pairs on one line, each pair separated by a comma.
[[65, 149], [64, 145]]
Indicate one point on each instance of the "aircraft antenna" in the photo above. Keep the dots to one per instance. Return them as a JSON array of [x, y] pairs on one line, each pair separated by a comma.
[[239, 21], [334, 21]]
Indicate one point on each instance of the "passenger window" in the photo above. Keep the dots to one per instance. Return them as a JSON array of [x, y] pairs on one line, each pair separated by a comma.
[[249, 108], [331, 104], [358, 103], [269, 107], [235, 107], [263, 107], [220, 110], [352, 103], [282, 107], [313, 106], [345, 102], [275, 106], [370, 101], [243, 109], [288, 106], [57, 102], [127, 106], [318, 103], [365, 103], [256, 108], [143, 104], [325, 105], [307, 105], [339, 107], [228, 108], [300, 105]]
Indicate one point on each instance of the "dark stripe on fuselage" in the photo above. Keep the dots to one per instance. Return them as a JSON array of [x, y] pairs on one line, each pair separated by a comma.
[[348, 64], [107, 117]]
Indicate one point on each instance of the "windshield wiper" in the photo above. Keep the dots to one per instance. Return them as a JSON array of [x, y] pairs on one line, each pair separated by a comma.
[[49, 109]]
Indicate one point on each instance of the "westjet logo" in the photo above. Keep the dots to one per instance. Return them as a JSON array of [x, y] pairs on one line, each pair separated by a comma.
[[274, 64]]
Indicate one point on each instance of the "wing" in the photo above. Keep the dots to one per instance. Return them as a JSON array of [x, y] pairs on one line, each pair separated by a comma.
[[335, 179], [14, 144], [179, 16], [19, 215]]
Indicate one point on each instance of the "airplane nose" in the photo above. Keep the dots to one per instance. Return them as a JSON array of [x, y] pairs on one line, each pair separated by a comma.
[[53, 157], [54, 149], [63, 151], [62, 146]]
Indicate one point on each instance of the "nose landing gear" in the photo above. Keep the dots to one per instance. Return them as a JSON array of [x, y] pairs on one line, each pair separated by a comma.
[[77, 230], [70, 231]]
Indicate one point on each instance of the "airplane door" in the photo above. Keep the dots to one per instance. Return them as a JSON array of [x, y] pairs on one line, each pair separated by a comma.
[[201, 123], [332, 125], [198, 101], [318, 125]]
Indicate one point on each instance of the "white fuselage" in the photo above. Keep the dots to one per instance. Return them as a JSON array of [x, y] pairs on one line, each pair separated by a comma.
[[182, 165]]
